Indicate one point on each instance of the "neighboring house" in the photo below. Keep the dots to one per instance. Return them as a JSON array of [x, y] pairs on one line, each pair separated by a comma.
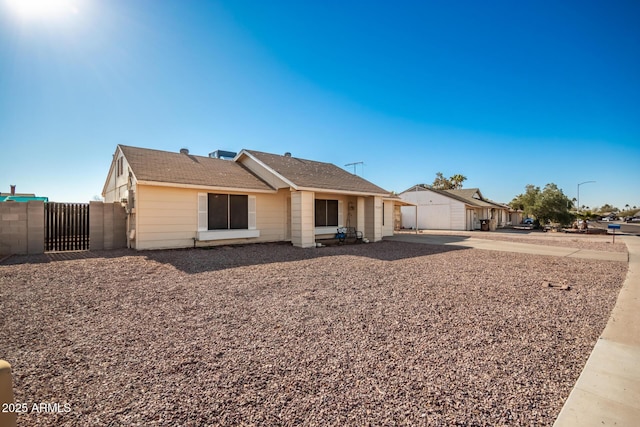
[[516, 216], [177, 200], [464, 209], [12, 196]]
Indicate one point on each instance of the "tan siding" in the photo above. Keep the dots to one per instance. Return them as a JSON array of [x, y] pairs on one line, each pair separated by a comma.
[[271, 220], [373, 218], [360, 215], [117, 185], [302, 223], [155, 228], [167, 218]]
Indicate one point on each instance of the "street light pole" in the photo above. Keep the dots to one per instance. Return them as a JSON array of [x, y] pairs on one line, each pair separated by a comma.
[[586, 182]]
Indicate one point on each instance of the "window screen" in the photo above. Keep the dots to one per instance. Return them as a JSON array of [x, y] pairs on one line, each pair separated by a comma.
[[326, 213], [332, 212], [228, 212], [321, 213], [238, 212], [218, 211]]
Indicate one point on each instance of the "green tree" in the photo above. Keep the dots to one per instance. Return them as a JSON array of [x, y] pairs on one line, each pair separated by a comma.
[[553, 205], [457, 181], [526, 201], [548, 204], [441, 183], [452, 183], [607, 208]]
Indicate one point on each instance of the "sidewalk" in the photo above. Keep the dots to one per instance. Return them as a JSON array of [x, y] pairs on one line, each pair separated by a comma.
[[607, 392]]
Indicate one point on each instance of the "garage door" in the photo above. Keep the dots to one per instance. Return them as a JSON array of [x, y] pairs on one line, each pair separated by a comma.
[[438, 217]]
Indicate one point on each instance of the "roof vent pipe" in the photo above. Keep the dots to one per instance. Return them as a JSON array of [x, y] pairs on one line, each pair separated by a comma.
[[184, 151], [287, 154]]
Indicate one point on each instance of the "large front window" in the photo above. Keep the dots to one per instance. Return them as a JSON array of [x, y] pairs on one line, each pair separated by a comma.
[[228, 212], [326, 213]]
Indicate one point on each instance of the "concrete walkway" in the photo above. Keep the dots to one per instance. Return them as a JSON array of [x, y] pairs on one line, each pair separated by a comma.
[[500, 245], [607, 392]]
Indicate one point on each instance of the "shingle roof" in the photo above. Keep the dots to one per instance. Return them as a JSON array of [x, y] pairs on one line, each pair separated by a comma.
[[312, 174], [464, 195], [178, 168]]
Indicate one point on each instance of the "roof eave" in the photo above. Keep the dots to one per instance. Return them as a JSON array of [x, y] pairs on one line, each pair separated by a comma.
[[206, 187], [347, 192]]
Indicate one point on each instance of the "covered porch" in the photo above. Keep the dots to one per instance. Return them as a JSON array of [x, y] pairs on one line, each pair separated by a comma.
[[317, 216]]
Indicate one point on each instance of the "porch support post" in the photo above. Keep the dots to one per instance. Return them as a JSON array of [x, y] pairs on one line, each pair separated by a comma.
[[302, 223], [360, 226], [373, 218]]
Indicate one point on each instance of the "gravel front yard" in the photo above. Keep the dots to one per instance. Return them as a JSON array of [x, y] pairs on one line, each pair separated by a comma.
[[383, 334]]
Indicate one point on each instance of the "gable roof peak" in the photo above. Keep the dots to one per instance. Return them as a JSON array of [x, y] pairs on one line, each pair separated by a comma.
[[313, 174]]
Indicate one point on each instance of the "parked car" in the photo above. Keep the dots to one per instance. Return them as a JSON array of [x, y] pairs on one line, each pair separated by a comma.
[[528, 221], [633, 219]]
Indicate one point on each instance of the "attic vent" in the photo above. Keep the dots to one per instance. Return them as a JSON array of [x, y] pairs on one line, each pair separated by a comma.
[[287, 154], [184, 151]]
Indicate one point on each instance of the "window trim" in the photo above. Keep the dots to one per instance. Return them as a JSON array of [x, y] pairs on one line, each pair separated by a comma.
[[203, 232], [227, 234], [328, 229], [326, 213]]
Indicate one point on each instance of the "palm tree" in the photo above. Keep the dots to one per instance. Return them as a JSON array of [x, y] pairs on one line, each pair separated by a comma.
[[457, 181]]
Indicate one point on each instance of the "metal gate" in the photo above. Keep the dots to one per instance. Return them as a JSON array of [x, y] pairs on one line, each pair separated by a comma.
[[66, 227]]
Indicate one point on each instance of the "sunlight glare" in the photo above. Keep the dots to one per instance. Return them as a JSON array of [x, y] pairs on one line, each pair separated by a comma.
[[42, 9]]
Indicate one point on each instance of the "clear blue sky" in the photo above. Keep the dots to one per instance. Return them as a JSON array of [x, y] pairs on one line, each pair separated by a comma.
[[506, 93]]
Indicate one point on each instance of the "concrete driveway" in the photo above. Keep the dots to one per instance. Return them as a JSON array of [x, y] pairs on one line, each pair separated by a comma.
[[494, 245]]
